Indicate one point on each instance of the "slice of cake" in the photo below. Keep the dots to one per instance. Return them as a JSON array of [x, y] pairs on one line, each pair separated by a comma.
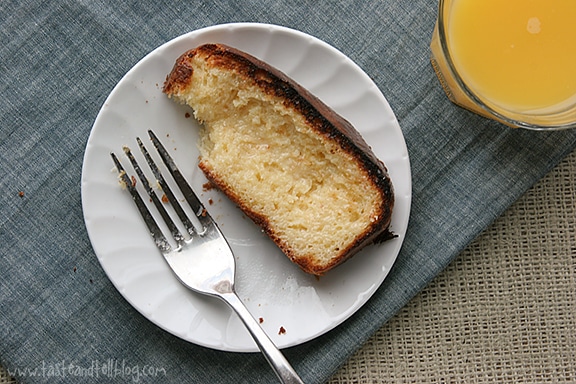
[[295, 167]]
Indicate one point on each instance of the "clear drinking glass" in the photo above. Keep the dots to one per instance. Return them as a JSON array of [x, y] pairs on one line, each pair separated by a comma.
[[513, 61]]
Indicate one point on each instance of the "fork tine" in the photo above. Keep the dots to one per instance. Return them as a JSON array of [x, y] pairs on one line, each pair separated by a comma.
[[176, 235], [166, 189], [186, 189], [211, 271], [159, 238]]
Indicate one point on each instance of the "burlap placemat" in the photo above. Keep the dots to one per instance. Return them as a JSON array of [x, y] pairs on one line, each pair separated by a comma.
[[503, 312]]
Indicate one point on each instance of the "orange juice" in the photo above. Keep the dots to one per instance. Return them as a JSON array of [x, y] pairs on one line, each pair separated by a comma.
[[517, 54]]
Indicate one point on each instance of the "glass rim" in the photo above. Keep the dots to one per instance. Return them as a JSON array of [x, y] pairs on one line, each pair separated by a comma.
[[486, 106]]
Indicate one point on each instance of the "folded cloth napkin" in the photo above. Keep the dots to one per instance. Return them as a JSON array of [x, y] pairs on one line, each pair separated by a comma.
[[61, 319]]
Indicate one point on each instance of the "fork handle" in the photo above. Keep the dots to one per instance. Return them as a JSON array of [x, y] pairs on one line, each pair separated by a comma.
[[276, 359]]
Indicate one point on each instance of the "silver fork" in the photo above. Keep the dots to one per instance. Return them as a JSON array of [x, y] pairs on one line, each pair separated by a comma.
[[202, 260]]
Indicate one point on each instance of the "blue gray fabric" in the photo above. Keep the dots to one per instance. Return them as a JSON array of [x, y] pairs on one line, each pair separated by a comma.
[[62, 321]]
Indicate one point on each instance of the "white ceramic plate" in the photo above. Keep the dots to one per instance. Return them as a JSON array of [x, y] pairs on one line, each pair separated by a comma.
[[273, 288]]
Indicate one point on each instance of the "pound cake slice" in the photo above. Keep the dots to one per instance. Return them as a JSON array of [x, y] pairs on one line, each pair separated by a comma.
[[295, 167]]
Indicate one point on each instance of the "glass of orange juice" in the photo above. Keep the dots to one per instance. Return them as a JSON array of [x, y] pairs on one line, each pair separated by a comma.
[[513, 61]]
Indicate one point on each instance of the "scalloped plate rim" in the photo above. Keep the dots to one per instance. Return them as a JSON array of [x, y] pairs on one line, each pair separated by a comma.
[[94, 182]]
